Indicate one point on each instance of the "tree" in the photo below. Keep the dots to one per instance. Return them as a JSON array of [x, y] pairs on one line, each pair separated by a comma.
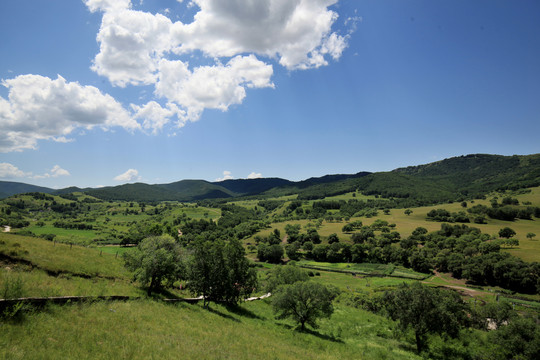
[[271, 253], [333, 238], [304, 302], [292, 250], [347, 228], [285, 275], [530, 235], [506, 233], [220, 272], [293, 232], [408, 212], [425, 310], [156, 262], [520, 339]]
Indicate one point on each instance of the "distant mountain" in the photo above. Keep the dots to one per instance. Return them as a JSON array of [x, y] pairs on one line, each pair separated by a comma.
[[188, 190], [8, 188], [69, 190], [462, 176], [247, 187], [134, 192], [446, 180]]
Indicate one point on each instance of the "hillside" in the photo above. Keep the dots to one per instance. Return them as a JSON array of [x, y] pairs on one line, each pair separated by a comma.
[[469, 176], [9, 188]]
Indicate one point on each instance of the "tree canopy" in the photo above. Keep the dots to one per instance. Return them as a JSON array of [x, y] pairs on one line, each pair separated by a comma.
[[304, 302], [425, 310], [220, 272], [156, 262]]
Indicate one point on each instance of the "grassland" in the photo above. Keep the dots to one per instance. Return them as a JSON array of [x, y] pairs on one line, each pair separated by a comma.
[[153, 330], [528, 250], [61, 258]]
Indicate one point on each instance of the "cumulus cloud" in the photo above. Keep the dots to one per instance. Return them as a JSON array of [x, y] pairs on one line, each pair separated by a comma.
[[55, 172], [131, 45], [154, 116], [292, 30], [211, 87], [40, 108], [107, 5], [128, 176], [9, 171], [255, 175], [227, 175], [140, 48]]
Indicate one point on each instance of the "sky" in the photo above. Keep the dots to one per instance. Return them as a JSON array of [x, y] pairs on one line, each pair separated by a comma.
[[106, 92]]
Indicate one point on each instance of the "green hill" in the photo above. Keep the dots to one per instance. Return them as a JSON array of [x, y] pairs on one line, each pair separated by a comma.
[[468, 176], [9, 188]]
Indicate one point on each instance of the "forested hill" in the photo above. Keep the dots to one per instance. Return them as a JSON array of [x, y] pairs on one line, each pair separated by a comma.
[[8, 188], [467, 176]]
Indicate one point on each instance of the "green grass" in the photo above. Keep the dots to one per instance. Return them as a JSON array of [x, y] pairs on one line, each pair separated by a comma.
[[58, 257], [83, 237], [37, 283], [154, 330], [365, 268]]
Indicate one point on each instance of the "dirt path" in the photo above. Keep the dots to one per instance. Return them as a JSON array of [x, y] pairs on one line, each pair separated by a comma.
[[459, 285]]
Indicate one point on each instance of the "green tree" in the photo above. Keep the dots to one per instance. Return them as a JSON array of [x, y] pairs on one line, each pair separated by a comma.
[[530, 235], [408, 212], [271, 253], [304, 302], [506, 233], [220, 272], [425, 310], [293, 232], [156, 262], [520, 339], [292, 250], [333, 238], [284, 275]]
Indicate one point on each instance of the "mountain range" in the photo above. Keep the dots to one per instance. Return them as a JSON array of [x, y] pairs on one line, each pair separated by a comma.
[[464, 176]]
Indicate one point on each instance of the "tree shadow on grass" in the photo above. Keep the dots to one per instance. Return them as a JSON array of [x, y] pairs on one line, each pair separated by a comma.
[[311, 332], [223, 315], [319, 335], [164, 294], [241, 311]]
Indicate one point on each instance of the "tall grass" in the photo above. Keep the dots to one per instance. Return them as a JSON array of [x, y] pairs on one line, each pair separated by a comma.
[[154, 330], [62, 258]]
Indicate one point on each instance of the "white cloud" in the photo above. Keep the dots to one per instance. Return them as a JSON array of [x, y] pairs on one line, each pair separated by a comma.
[[128, 176], [140, 48], [39, 108], [292, 30], [211, 87], [255, 175], [107, 5], [55, 172], [154, 116], [131, 45], [9, 171], [227, 175]]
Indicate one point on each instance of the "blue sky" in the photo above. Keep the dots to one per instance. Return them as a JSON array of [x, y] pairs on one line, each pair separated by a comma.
[[103, 92]]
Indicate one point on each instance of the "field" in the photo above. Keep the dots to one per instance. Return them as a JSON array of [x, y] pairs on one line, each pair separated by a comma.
[[88, 262], [148, 329], [528, 250]]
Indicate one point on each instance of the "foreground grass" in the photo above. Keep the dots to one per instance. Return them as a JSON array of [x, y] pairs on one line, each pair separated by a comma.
[[154, 330], [62, 258], [37, 283]]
